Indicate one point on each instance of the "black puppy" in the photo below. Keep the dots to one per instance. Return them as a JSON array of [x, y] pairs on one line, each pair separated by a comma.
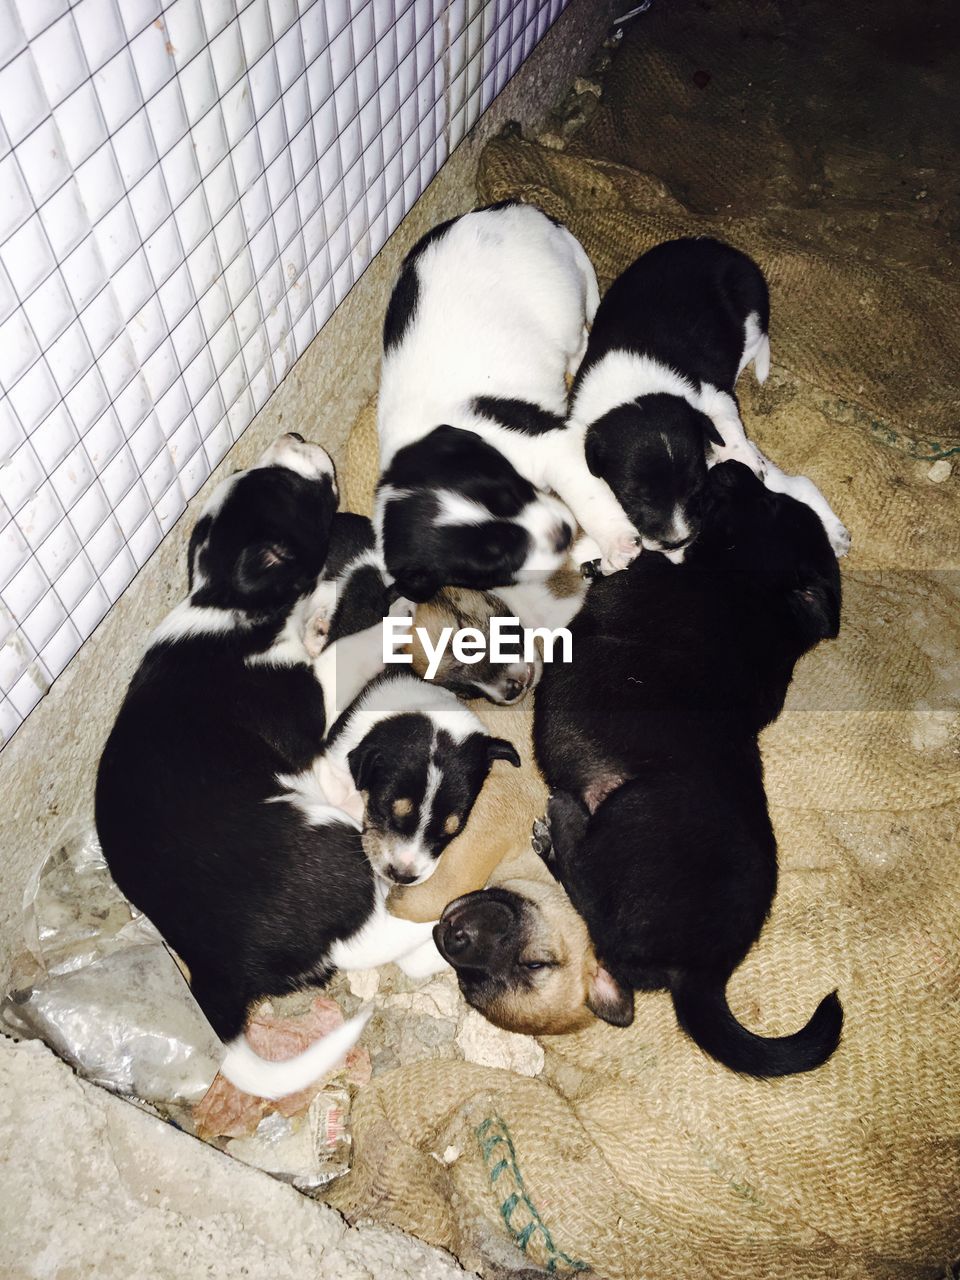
[[654, 394], [659, 823]]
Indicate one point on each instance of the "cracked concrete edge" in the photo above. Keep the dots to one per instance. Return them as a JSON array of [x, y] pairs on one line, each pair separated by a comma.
[[89, 1185], [48, 768]]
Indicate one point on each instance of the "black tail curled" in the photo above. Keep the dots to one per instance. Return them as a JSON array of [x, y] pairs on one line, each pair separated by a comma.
[[701, 1006]]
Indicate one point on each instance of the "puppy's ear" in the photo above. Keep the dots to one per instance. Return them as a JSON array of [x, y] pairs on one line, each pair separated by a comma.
[[595, 453], [817, 605], [364, 761], [418, 584], [501, 749], [337, 785], [568, 820], [608, 999], [711, 434], [260, 566]]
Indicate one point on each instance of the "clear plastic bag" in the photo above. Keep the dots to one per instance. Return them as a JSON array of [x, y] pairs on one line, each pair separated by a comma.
[[96, 983]]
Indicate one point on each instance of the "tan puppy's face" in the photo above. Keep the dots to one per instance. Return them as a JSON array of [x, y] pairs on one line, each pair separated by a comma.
[[457, 608], [524, 960]]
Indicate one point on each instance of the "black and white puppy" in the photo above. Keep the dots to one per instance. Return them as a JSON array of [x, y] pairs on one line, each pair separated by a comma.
[[486, 321], [648, 739], [654, 396], [209, 804]]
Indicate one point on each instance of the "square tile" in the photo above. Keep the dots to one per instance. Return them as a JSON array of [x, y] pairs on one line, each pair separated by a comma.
[[144, 540], [65, 220], [209, 415], [104, 545], [39, 516], [247, 316], [210, 142], [16, 205], [236, 107], [152, 60], [198, 86], [14, 552], [90, 611], [133, 510], [185, 31], [51, 441], [12, 38], [296, 106], [84, 272], [181, 174], [176, 293], [138, 14], [42, 161], [264, 84], [149, 204], [100, 183], [146, 442], [59, 59], [118, 90], [27, 257], [164, 252], [80, 124], [104, 440], [118, 575], [69, 357], [216, 15], [133, 404], [229, 63], [161, 369], [86, 517], [172, 411], [247, 161], [134, 149], [159, 476], [87, 401], [119, 476], [283, 14], [34, 396], [101, 31], [132, 286], [101, 321], [313, 31], [117, 236], [73, 476], [256, 30], [204, 265], [168, 117], [11, 435], [290, 59], [29, 689], [18, 348], [148, 329], [23, 103], [118, 364], [220, 190]]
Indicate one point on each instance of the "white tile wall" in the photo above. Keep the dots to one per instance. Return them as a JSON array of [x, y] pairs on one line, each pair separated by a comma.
[[187, 191]]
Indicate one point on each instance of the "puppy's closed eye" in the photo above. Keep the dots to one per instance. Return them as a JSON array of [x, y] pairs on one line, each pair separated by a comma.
[[452, 824]]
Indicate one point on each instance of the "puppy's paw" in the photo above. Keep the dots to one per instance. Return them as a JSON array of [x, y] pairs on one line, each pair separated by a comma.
[[402, 608], [838, 536], [619, 549], [540, 839]]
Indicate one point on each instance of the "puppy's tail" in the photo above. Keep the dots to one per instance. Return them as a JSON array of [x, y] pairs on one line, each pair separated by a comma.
[[255, 1075], [701, 1006]]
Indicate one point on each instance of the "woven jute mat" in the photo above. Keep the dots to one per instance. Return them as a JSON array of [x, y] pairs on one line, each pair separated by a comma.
[[633, 1154]]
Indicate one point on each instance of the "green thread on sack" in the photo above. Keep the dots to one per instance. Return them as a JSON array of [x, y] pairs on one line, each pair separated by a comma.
[[495, 1144]]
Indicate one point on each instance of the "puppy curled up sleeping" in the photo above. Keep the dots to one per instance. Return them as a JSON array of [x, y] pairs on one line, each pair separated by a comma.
[[482, 480], [654, 397], [221, 812]]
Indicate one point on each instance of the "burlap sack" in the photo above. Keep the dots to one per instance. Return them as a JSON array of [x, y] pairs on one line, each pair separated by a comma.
[[634, 1154]]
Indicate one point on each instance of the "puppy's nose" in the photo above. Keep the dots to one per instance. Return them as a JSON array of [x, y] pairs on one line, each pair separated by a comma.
[[400, 877], [459, 937], [563, 536], [295, 435]]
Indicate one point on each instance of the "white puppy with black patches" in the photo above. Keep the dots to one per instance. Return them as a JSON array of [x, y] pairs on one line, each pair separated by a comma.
[[487, 320]]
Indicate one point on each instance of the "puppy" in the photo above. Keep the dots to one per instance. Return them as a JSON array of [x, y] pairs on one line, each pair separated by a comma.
[[208, 803], [522, 955], [486, 320], [654, 397], [659, 820], [409, 760]]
